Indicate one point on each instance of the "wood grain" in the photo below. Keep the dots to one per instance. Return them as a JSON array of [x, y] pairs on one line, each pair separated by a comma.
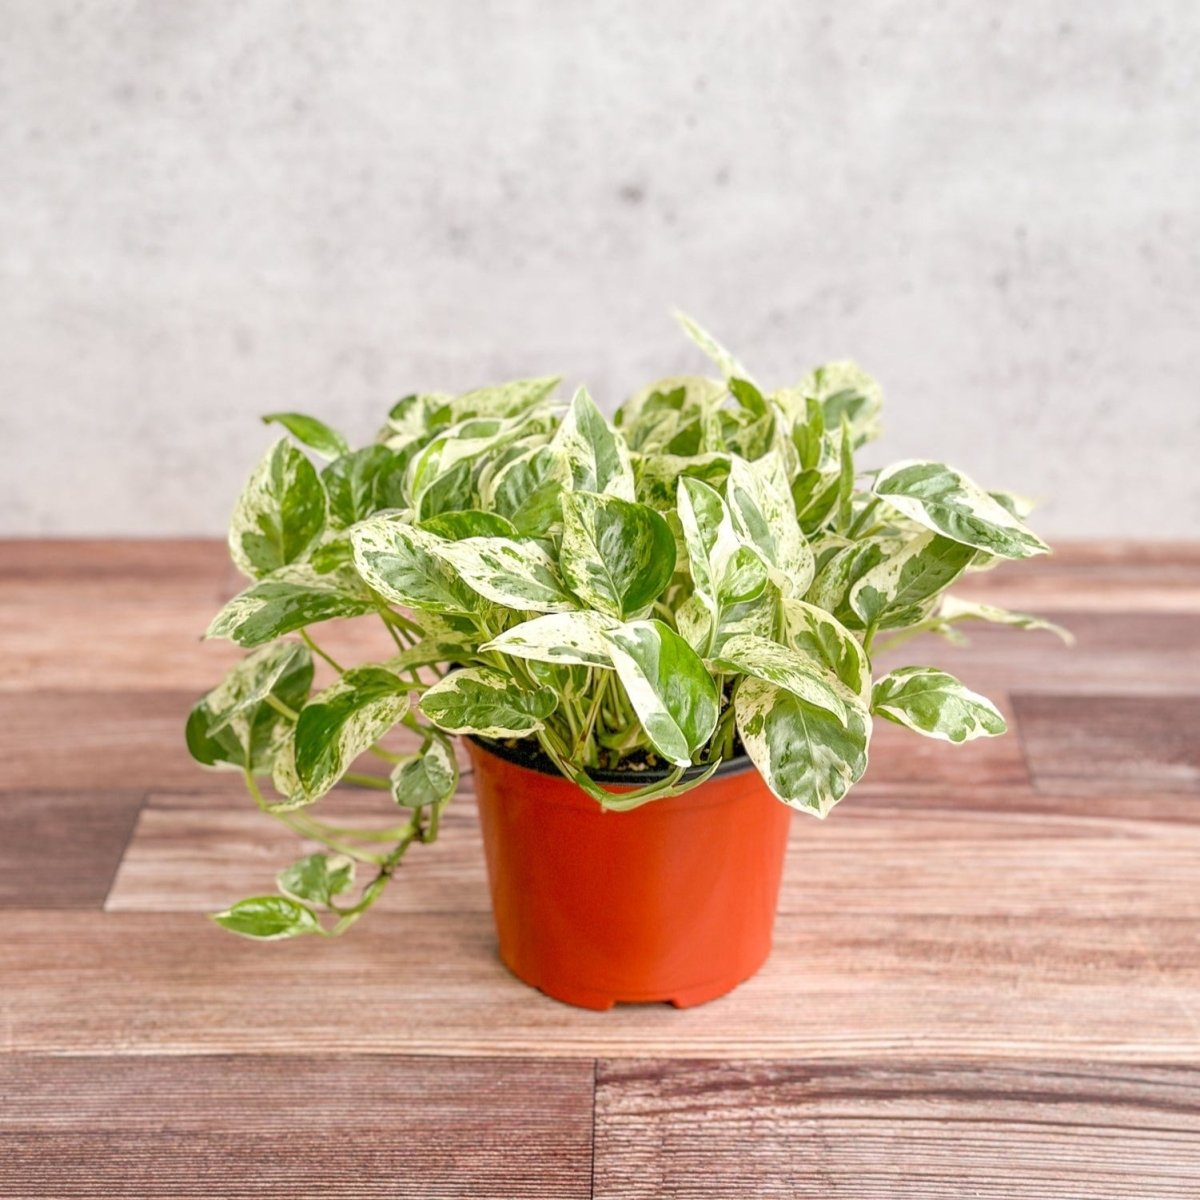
[[898, 854], [294, 1126], [883, 1131], [837, 986], [1098, 743], [61, 850]]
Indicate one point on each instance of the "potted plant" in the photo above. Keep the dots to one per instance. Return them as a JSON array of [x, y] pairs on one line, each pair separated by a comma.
[[650, 631]]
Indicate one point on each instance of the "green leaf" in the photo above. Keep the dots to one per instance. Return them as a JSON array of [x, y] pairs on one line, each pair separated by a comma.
[[268, 918], [508, 399], [280, 514], [954, 609], [317, 878], [519, 575], [900, 589], [807, 758], [617, 556], [946, 501], [760, 505], [668, 685], [427, 778], [314, 434], [405, 566], [569, 638], [487, 703], [469, 523], [819, 636], [747, 654], [726, 363], [338, 724], [282, 603], [596, 454], [936, 704], [845, 488]]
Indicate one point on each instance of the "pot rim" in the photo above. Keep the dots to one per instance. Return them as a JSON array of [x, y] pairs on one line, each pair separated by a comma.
[[534, 758]]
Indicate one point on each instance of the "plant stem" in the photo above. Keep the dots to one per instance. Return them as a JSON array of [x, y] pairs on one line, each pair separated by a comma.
[[307, 638]]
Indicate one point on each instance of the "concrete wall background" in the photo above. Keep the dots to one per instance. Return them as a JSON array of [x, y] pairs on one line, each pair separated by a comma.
[[210, 210]]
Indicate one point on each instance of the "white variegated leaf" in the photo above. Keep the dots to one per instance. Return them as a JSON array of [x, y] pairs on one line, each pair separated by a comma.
[[258, 675], [570, 638], [280, 514], [668, 685], [936, 704], [405, 566], [338, 724], [487, 703], [954, 609], [518, 575], [527, 491], [901, 589], [597, 454], [946, 501], [760, 504], [786, 668], [726, 363], [807, 757], [507, 399], [821, 637], [289, 599]]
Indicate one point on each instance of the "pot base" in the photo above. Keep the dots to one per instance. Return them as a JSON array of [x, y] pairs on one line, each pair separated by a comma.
[[602, 1001]]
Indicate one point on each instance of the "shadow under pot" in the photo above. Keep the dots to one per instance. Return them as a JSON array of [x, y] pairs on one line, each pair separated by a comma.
[[672, 901]]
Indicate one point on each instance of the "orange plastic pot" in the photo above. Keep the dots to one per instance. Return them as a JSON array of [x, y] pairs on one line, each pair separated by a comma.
[[673, 901]]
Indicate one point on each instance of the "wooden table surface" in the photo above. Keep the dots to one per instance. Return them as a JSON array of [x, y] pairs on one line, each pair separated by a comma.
[[986, 979]]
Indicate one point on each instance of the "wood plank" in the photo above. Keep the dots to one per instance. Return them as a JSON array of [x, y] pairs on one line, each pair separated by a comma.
[[110, 740], [1102, 743], [61, 850], [880, 1131], [838, 986], [295, 1126], [1096, 576], [1125, 652], [198, 853]]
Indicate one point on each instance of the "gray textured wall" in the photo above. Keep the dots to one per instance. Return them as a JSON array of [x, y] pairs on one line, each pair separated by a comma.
[[210, 210]]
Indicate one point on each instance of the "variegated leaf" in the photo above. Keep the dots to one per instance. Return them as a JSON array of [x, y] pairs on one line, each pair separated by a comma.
[[268, 918], [617, 556], [283, 669], [747, 654], [290, 599], [821, 637], [519, 575], [358, 484], [760, 504], [842, 389], [570, 637], [954, 609], [427, 778], [469, 523], [806, 756], [338, 724], [463, 443], [528, 490], [725, 569], [405, 566], [949, 503], [280, 514], [487, 703], [936, 704], [507, 399], [901, 589], [658, 475], [596, 453], [726, 363], [668, 686]]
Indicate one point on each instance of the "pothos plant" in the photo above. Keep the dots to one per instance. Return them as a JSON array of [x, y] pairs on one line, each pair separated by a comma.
[[706, 575]]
